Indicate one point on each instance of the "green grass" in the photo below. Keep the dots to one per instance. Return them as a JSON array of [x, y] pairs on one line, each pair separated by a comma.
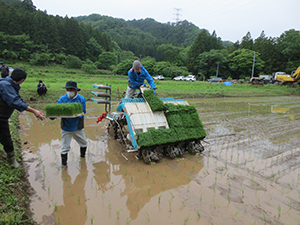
[[14, 187], [56, 77]]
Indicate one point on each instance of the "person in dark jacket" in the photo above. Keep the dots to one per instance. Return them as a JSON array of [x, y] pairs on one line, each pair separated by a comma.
[[10, 100], [72, 127], [41, 88], [4, 70], [136, 77]]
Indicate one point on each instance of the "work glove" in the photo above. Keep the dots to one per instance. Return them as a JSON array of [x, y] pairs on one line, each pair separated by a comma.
[[144, 84], [154, 92]]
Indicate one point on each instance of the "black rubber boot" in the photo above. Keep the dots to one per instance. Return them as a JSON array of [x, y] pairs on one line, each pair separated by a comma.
[[64, 159], [82, 152], [12, 160]]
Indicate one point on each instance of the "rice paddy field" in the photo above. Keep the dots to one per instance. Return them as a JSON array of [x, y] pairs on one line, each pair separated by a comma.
[[249, 172]]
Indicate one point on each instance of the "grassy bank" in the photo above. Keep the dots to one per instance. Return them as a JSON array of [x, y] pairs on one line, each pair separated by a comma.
[[14, 186]]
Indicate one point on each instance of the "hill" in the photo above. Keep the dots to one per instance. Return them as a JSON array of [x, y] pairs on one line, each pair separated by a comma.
[[142, 37]]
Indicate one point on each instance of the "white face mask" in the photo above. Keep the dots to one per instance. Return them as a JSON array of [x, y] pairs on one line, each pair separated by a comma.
[[70, 94]]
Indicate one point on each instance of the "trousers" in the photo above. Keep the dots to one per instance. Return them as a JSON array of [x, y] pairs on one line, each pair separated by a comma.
[[66, 137], [5, 137]]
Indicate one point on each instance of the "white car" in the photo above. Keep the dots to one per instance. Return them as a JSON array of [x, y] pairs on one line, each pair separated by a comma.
[[159, 77], [190, 78], [178, 78]]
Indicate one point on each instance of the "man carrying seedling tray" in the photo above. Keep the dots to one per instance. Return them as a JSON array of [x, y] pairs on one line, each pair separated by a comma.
[[73, 126]]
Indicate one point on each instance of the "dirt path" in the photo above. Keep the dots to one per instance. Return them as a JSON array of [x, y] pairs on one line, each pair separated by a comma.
[[248, 174]]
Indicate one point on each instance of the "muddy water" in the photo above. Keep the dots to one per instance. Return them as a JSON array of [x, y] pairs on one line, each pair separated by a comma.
[[248, 174]]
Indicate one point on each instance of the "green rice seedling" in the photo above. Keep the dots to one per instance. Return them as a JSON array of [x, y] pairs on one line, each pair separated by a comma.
[[131, 178], [118, 214], [182, 204], [279, 211], [129, 199], [141, 185], [159, 197], [107, 176], [109, 206], [188, 187], [164, 173], [147, 175], [171, 194], [78, 200], [228, 198], [147, 216], [92, 219], [264, 217], [138, 170], [198, 213], [153, 181], [63, 109], [128, 221], [138, 206], [186, 219], [55, 206], [85, 211], [236, 213], [193, 168], [170, 206], [243, 193], [112, 183], [149, 189]]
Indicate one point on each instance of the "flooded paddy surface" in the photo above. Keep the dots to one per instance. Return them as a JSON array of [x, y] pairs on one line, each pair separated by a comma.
[[249, 172]]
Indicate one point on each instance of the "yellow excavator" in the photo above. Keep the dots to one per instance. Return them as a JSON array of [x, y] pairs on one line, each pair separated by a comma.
[[283, 78]]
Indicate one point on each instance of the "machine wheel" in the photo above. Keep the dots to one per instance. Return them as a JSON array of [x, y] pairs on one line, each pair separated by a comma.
[[171, 151], [146, 156], [192, 148], [112, 129]]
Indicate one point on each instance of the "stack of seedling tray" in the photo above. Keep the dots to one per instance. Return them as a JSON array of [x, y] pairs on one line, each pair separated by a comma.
[[64, 110], [183, 120]]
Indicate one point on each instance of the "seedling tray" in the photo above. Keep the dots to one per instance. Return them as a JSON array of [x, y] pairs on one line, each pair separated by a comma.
[[72, 116]]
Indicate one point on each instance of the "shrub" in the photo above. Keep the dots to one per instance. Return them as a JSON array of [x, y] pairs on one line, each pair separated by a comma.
[[73, 62], [89, 68]]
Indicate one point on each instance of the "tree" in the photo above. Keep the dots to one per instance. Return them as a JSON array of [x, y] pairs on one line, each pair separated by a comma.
[[247, 42], [268, 53], [93, 49], [204, 43], [241, 61], [106, 59], [288, 44], [207, 63], [170, 53]]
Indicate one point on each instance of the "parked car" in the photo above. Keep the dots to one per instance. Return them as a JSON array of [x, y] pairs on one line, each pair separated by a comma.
[[159, 77], [190, 78], [215, 79], [178, 78]]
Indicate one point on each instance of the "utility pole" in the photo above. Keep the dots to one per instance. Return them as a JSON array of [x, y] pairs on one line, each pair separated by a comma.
[[217, 69], [253, 65], [177, 14]]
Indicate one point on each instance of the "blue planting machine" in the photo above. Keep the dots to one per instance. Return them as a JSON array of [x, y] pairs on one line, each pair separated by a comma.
[[134, 116]]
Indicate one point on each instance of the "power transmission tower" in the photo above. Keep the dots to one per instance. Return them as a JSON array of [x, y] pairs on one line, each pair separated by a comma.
[[177, 14]]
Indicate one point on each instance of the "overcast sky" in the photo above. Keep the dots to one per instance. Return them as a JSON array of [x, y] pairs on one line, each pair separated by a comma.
[[231, 19]]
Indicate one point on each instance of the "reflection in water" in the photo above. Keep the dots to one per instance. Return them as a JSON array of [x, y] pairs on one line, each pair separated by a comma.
[[74, 201]]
